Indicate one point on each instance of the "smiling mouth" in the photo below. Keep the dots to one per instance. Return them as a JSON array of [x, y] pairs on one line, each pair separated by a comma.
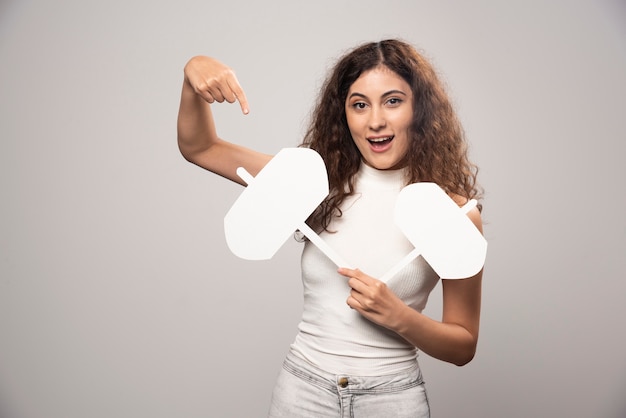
[[380, 142]]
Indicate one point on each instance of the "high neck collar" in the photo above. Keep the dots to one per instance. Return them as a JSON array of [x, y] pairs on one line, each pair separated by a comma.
[[384, 178]]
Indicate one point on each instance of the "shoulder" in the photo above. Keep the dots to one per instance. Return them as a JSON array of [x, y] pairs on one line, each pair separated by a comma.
[[473, 214]]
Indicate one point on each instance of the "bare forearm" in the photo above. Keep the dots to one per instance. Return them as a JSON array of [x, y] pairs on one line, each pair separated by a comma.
[[196, 128], [445, 341]]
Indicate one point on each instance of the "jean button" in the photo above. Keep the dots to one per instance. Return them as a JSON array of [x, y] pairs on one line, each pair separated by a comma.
[[343, 382]]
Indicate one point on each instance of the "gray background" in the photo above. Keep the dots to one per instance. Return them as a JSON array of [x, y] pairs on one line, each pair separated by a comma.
[[118, 296]]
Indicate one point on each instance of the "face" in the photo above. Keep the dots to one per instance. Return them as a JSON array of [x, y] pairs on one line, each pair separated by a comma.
[[379, 111]]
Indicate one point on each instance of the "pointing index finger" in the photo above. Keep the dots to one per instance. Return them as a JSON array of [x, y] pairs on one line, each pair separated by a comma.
[[240, 95]]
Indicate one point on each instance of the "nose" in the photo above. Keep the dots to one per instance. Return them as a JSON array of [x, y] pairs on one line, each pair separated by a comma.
[[377, 119]]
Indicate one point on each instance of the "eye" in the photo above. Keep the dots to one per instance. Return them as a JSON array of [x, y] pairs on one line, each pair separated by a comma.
[[394, 101], [359, 106]]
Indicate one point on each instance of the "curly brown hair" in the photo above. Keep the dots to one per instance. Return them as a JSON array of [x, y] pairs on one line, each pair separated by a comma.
[[437, 150]]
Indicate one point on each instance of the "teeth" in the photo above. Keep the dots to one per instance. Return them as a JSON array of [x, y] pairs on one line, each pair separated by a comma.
[[380, 139]]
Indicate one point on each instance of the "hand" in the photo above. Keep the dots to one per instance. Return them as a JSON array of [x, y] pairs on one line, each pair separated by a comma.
[[215, 82], [373, 299]]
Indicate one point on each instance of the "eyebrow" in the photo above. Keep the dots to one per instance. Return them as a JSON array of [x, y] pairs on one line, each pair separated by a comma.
[[390, 92]]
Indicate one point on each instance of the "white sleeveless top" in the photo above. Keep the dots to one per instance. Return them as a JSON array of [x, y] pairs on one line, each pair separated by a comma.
[[334, 337]]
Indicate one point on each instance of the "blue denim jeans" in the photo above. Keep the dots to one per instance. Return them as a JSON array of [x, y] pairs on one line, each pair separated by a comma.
[[304, 391]]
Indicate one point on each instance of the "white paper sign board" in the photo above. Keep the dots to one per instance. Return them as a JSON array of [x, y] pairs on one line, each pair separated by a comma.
[[275, 203], [440, 230]]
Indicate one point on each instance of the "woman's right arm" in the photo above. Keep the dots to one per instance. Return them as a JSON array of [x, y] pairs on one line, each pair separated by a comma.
[[207, 81]]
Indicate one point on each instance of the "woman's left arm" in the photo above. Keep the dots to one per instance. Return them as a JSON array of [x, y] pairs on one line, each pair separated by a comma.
[[453, 339]]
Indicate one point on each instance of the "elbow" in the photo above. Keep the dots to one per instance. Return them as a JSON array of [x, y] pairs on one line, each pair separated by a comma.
[[187, 156], [184, 150], [465, 355], [188, 153], [459, 356], [196, 152], [465, 359]]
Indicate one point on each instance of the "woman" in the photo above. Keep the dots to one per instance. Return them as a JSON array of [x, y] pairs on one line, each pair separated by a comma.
[[382, 121]]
